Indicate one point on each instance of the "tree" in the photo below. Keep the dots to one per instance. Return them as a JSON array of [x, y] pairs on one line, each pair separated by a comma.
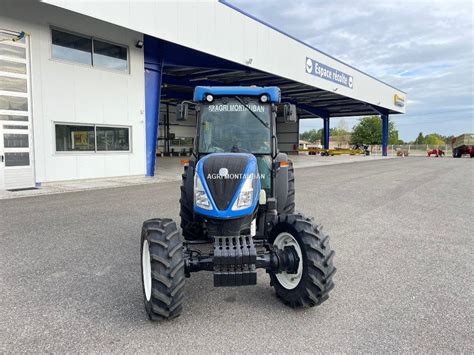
[[369, 131], [342, 127], [312, 135], [420, 139], [434, 139], [448, 139]]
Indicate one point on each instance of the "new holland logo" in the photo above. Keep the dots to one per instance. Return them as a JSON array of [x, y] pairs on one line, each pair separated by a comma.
[[399, 100], [223, 172]]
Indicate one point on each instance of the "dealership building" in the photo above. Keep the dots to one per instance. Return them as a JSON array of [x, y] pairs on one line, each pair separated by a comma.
[[89, 89]]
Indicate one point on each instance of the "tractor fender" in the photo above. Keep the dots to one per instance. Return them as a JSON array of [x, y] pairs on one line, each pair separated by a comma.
[[280, 181], [188, 178]]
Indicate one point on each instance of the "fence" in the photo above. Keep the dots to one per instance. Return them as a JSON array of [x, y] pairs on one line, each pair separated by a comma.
[[411, 149]]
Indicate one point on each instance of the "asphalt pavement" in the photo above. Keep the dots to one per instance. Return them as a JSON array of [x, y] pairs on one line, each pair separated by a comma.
[[402, 230]]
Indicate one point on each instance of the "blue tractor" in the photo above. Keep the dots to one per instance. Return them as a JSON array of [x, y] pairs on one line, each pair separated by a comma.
[[237, 209]]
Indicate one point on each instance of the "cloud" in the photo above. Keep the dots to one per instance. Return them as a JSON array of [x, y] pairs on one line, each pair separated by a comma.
[[422, 47]]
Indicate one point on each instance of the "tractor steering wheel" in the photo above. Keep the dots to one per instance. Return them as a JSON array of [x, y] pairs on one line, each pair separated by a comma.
[[237, 149]]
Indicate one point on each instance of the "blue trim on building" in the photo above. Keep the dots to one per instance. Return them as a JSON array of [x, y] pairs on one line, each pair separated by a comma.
[[251, 168], [153, 76], [273, 92], [224, 2]]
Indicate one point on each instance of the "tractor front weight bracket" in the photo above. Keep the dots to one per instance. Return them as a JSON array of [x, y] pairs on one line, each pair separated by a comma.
[[235, 261]]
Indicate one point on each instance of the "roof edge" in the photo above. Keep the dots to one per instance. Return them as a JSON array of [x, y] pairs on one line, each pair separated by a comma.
[[224, 2]]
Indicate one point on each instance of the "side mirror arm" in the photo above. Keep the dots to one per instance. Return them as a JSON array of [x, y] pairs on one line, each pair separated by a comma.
[[182, 110], [289, 112]]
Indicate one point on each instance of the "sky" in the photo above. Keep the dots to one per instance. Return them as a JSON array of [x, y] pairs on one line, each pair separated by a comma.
[[422, 47]]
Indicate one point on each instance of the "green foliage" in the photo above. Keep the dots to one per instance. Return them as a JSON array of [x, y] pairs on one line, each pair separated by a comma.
[[312, 135], [448, 139], [369, 131], [432, 139], [420, 139]]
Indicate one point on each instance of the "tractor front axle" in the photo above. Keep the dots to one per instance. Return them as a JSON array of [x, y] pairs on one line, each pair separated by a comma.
[[235, 260]]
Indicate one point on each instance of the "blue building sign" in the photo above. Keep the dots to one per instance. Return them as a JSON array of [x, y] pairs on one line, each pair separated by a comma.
[[323, 71]]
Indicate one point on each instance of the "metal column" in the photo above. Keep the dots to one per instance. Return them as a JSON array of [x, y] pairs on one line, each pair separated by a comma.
[[153, 73], [384, 134], [326, 132]]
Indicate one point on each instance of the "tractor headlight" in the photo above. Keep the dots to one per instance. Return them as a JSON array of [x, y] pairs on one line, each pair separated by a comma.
[[200, 196], [245, 198]]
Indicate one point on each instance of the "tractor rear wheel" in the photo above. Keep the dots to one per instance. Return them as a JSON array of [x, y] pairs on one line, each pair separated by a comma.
[[290, 200], [162, 263], [190, 224], [311, 284]]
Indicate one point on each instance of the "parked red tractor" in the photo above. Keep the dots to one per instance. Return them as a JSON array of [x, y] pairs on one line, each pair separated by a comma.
[[436, 152]]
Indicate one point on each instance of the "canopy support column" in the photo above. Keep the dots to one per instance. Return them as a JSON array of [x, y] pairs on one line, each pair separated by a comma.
[[384, 134], [326, 132], [325, 116], [153, 75]]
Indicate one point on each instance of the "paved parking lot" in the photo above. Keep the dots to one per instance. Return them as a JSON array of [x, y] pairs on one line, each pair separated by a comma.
[[402, 230]]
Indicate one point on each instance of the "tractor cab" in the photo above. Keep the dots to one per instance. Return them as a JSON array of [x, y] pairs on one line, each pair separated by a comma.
[[239, 120]]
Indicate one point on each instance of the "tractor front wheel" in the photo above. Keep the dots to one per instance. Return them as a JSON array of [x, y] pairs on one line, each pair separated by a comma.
[[310, 285], [162, 263]]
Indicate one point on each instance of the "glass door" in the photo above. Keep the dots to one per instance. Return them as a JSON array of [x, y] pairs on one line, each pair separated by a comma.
[[15, 111]]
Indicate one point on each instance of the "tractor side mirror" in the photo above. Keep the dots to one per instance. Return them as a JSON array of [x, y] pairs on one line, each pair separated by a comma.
[[289, 113], [182, 111]]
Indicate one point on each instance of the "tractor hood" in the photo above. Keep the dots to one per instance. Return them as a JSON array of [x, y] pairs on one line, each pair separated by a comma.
[[226, 185]]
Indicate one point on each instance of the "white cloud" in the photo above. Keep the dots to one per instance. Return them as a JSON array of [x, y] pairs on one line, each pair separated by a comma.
[[423, 47]]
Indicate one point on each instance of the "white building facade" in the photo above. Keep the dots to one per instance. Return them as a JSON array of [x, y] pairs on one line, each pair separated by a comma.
[[72, 83], [70, 114]]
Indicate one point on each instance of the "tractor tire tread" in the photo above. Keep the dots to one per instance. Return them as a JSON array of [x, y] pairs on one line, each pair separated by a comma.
[[167, 269], [317, 280], [290, 200]]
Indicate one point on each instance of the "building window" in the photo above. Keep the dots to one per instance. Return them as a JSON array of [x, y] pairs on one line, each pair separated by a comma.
[[70, 138], [13, 103], [112, 138], [17, 159], [13, 140], [9, 51], [12, 67], [110, 56], [13, 84], [13, 118], [92, 138], [88, 50], [70, 47], [14, 127]]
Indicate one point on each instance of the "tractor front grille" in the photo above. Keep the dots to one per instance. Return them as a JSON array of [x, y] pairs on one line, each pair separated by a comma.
[[223, 188]]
